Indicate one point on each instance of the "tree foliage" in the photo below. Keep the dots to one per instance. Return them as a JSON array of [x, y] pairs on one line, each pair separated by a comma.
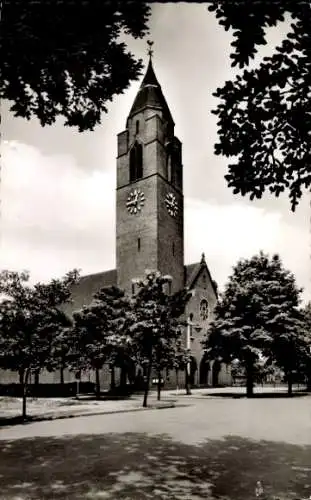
[[61, 345], [155, 328], [66, 58], [100, 332], [306, 361], [265, 113], [257, 316], [30, 317]]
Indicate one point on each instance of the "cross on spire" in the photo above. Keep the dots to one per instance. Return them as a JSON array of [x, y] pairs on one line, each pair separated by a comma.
[[150, 51]]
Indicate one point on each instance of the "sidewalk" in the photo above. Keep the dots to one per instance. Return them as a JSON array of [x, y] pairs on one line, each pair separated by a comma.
[[58, 408]]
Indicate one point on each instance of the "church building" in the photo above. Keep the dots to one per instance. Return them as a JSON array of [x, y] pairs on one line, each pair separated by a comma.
[[150, 232], [150, 222]]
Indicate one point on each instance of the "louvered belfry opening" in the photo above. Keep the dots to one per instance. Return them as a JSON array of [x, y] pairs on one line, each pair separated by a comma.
[[136, 162]]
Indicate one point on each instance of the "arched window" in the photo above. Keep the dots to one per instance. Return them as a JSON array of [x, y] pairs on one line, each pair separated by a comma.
[[137, 127], [204, 309], [136, 162]]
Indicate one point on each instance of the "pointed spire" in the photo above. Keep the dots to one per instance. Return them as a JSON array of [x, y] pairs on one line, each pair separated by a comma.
[[150, 77], [150, 92]]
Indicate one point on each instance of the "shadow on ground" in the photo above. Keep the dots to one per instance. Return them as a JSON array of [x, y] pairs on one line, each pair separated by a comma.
[[257, 395], [139, 466]]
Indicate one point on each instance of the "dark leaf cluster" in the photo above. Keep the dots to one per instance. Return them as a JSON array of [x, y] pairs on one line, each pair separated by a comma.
[[66, 59], [264, 115]]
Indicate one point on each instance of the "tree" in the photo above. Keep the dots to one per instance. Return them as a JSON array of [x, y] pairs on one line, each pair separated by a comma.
[[29, 318], [99, 331], [265, 113], [117, 306], [155, 328], [255, 314], [288, 347], [66, 59], [306, 361], [61, 345], [181, 360]]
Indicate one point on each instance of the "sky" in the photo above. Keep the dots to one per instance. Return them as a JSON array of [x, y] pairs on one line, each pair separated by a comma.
[[58, 185]]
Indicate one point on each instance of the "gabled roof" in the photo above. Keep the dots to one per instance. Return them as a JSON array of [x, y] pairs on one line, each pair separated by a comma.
[[150, 94], [82, 293], [192, 272]]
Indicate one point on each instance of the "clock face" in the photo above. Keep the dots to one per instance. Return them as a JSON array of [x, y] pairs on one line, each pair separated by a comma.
[[135, 201], [171, 204]]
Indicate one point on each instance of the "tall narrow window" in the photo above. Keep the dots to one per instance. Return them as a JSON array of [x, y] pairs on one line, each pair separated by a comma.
[[139, 160], [138, 244], [173, 248], [132, 165], [136, 162], [169, 167], [204, 280], [133, 289], [137, 127]]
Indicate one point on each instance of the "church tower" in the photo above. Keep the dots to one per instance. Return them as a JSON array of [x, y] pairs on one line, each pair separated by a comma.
[[149, 197]]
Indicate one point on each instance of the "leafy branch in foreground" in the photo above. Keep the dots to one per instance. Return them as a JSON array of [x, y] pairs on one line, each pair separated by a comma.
[[264, 115], [66, 58]]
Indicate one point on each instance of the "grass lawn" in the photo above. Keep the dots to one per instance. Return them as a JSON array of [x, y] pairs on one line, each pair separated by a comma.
[[155, 462]]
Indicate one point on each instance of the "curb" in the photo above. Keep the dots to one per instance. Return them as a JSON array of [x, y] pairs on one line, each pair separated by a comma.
[[17, 420]]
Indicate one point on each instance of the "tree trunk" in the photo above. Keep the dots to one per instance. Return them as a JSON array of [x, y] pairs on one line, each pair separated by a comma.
[[25, 385], [290, 383], [97, 384], [37, 374], [187, 378], [112, 378], [123, 377], [159, 386], [250, 380], [21, 375], [62, 375], [147, 381], [177, 379]]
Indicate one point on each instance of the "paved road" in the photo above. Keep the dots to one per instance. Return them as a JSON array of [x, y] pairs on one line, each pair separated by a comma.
[[215, 448], [287, 420]]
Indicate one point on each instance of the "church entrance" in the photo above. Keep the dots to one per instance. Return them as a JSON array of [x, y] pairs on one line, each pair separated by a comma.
[[204, 370], [215, 373]]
